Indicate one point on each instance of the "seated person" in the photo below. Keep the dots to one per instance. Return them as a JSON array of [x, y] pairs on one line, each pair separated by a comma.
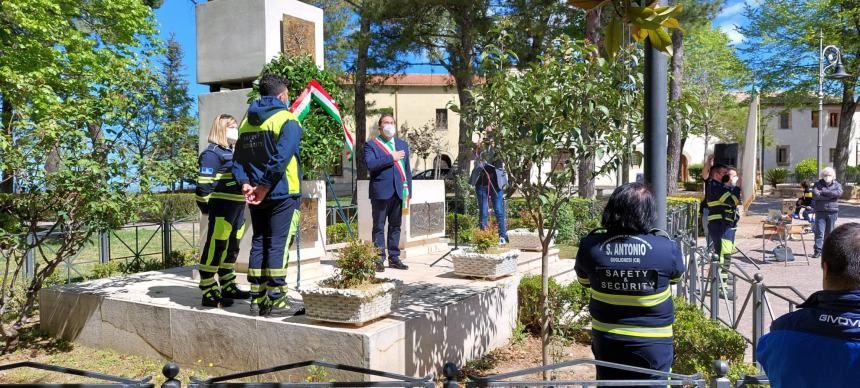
[[803, 207], [818, 345]]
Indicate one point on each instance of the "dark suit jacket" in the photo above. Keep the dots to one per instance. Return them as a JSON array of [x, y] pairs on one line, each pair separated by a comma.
[[385, 180]]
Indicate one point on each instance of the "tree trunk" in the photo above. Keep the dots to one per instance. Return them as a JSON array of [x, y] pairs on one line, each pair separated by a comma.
[[360, 86], [585, 170], [674, 146], [6, 180], [462, 70], [843, 136]]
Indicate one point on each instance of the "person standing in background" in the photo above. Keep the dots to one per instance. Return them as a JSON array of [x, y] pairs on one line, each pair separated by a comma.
[[826, 194], [489, 179]]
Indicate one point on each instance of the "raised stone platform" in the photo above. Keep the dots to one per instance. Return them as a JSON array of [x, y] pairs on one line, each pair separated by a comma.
[[440, 318]]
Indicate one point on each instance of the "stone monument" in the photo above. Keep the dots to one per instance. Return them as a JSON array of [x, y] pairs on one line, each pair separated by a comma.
[[230, 59]]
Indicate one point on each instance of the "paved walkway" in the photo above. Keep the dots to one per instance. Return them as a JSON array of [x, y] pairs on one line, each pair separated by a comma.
[[778, 277]]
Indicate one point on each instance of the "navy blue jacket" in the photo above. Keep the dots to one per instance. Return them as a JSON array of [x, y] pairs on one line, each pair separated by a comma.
[[261, 158], [215, 178], [629, 276], [817, 345], [385, 179]]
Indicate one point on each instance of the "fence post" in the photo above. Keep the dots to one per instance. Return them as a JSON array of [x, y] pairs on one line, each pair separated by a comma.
[[715, 288], [30, 257], [721, 369], [104, 246], [693, 277], [166, 245], [170, 371], [758, 312], [450, 371]]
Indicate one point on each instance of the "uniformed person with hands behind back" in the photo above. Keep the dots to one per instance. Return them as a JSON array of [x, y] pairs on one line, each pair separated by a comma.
[[629, 267]]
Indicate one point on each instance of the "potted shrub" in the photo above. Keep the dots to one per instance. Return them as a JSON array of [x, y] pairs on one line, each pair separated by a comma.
[[525, 236], [353, 295], [485, 258]]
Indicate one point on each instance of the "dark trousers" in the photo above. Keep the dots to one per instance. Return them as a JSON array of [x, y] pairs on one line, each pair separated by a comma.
[[655, 355], [484, 195], [824, 224], [276, 223], [225, 229], [390, 210]]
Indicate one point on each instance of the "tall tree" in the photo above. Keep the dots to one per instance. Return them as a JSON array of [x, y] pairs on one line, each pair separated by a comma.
[[449, 33], [782, 43], [177, 146], [695, 13]]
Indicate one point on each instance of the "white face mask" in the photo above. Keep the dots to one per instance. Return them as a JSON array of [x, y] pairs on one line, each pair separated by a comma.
[[388, 130], [232, 134], [733, 181], [828, 179]]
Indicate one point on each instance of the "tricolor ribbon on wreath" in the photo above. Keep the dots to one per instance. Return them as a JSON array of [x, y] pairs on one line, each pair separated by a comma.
[[315, 92]]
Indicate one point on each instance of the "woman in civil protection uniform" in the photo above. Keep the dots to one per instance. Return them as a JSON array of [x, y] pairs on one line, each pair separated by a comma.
[[629, 267], [219, 196]]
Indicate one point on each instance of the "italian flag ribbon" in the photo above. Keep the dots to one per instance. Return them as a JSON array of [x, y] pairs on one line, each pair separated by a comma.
[[315, 92], [388, 147]]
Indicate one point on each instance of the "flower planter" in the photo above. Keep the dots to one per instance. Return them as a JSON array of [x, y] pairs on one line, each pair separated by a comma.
[[525, 240], [354, 306], [469, 263]]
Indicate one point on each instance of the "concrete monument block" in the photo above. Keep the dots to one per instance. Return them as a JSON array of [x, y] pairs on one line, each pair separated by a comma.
[[422, 229], [235, 38]]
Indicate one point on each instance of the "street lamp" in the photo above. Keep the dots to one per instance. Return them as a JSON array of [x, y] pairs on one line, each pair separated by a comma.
[[834, 59]]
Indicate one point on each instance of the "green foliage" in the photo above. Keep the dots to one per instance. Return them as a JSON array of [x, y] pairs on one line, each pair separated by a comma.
[[485, 240], [168, 206], [356, 264], [465, 224], [132, 266], [806, 169], [775, 176], [182, 258], [105, 270], [646, 22], [318, 374], [70, 90], [564, 302], [695, 171], [699, 341], [322, 139], [336, 233]]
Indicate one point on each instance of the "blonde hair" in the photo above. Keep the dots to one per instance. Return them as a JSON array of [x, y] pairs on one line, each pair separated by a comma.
[[218, 132]]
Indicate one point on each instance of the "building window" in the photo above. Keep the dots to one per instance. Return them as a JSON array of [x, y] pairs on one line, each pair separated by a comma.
[[783, 155], [441, 119], [833, 120], [561, 160], [815, 119], [785, 120], [833, 155]]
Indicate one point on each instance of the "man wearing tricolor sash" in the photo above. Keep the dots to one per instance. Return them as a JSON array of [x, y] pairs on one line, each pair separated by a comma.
[[387, 159]]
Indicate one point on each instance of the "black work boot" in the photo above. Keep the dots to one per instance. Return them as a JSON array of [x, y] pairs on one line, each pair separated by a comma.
[[232, 291], [212, 298], [278, 306]]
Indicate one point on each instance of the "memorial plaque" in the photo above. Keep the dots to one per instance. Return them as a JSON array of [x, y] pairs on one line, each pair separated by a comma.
[[297, 37], [426, 219], [308, 223]]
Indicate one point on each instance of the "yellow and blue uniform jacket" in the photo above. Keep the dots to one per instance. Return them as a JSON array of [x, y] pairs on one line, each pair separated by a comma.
[[267, 152], [215, 177], [722, 201], [630, 278]]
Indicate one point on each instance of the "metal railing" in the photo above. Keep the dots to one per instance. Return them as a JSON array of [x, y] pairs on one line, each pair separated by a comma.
[[703, 286], [377, 378]]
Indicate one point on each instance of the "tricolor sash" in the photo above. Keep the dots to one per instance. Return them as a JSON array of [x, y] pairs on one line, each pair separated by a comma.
[[388, 148]]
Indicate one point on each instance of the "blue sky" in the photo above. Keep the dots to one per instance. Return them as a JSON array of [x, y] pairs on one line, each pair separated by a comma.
[[177, 17]]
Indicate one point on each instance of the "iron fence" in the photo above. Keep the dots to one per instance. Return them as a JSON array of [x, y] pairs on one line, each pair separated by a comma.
[[378, 378]]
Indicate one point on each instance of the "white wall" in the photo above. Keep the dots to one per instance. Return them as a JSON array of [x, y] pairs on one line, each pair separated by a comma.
[[802, 137]]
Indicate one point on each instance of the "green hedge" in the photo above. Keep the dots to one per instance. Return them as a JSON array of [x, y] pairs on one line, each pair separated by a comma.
[[168, 206], [575, 218], [336, 233], [699, 341], [465, 223], [564, 302]]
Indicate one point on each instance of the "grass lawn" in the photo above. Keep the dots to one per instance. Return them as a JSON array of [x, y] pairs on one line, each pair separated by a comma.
[[38, 347], [566, 251]]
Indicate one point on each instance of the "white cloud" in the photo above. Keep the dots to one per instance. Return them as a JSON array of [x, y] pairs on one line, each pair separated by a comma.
[[734, 35], [732, 10]]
